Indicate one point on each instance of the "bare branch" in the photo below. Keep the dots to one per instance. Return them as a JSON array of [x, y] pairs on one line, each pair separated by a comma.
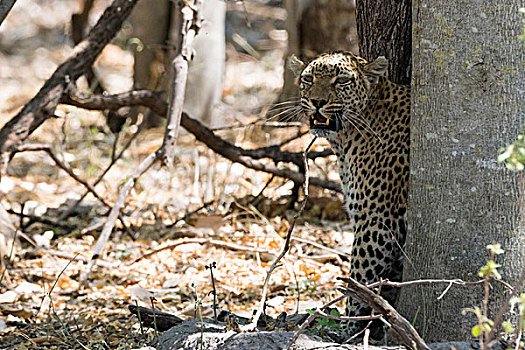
[[401, 329], [42, 106], [214, 242], [190, 23], [153, 101]]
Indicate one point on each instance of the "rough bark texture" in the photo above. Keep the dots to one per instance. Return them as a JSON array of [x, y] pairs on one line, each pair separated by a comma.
[[468, 85], [150, 22], [384, 29], [315, 27]]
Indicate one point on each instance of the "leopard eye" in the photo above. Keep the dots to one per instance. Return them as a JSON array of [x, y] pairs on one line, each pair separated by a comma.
[[344, 79], [307, 78]]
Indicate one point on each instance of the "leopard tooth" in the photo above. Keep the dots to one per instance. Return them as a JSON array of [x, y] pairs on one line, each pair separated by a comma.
[[327, 121], [316, 122]]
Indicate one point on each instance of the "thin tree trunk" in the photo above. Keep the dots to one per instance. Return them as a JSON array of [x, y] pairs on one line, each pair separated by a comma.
[[315, 27], [385, 29], [468, 84]]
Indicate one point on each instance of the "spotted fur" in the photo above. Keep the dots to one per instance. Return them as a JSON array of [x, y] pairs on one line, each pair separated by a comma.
[[367, 125]]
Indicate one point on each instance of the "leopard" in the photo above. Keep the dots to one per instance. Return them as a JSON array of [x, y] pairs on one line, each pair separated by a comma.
[[365, 118]]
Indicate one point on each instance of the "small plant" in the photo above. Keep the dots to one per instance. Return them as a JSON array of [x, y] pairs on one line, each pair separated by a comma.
[[213, 291], [324, 324], [488, 271]]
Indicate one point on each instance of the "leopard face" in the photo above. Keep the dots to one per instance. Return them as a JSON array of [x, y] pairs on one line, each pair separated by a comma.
[[366, 119], [334, 87]]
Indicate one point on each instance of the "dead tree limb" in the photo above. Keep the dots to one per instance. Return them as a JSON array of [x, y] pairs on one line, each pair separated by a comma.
[[43, 105], [401, 329], [248, 158], [191, 22], [154, 318]]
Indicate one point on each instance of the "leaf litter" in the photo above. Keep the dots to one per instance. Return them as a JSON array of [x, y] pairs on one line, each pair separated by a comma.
[[42, 304]]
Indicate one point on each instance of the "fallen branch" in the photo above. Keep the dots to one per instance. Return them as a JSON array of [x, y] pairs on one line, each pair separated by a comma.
[[162, 321], [46, 148], [401, 329], [152, 100], [42, 106], [214, 242]]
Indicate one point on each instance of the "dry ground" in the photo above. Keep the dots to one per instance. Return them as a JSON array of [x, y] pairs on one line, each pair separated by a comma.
[[41, 301]]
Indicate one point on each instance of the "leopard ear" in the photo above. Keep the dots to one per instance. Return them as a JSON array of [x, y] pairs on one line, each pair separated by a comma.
[[295, 65], [376, 69]]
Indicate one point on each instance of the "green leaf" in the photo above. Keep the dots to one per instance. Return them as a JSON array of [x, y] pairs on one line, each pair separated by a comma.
[[310, 311], [508, 327], [335, 313], [476, 330]]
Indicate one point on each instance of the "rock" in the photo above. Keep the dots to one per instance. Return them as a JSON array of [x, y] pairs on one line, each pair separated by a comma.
[[188, 336]]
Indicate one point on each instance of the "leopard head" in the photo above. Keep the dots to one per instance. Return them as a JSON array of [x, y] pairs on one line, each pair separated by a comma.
[[335, 86]]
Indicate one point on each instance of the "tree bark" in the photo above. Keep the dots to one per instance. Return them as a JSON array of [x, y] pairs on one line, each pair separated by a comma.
[[385, 29], [316, 27], [467, 89]]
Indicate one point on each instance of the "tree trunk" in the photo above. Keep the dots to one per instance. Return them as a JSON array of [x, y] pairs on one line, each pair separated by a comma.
[[385, 29], [315, 27], [467, 96], [204, 86], [150, 22]]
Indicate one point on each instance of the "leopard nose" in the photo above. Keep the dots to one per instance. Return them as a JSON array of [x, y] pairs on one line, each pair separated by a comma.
[[319, 103]]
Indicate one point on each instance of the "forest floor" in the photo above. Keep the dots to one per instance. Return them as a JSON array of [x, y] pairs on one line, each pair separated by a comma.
[[42, 303]]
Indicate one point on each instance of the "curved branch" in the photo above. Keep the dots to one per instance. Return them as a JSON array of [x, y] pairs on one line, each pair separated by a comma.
[[42, 106], [248, 158]]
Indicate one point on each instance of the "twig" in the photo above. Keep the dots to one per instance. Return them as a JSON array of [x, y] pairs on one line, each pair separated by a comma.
[[256, 198], [41, 219], [236, 154], [255, 319], [46, 148], [401, 329], [114, 160], [56, 281], [436, 281], [214, 242], [320, 246], [114, 213]]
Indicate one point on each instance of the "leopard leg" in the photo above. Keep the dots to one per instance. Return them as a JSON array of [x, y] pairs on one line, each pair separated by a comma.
[[376, 255]]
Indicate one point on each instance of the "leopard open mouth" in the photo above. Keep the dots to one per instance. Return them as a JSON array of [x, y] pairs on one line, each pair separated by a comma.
[[320, 122]]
